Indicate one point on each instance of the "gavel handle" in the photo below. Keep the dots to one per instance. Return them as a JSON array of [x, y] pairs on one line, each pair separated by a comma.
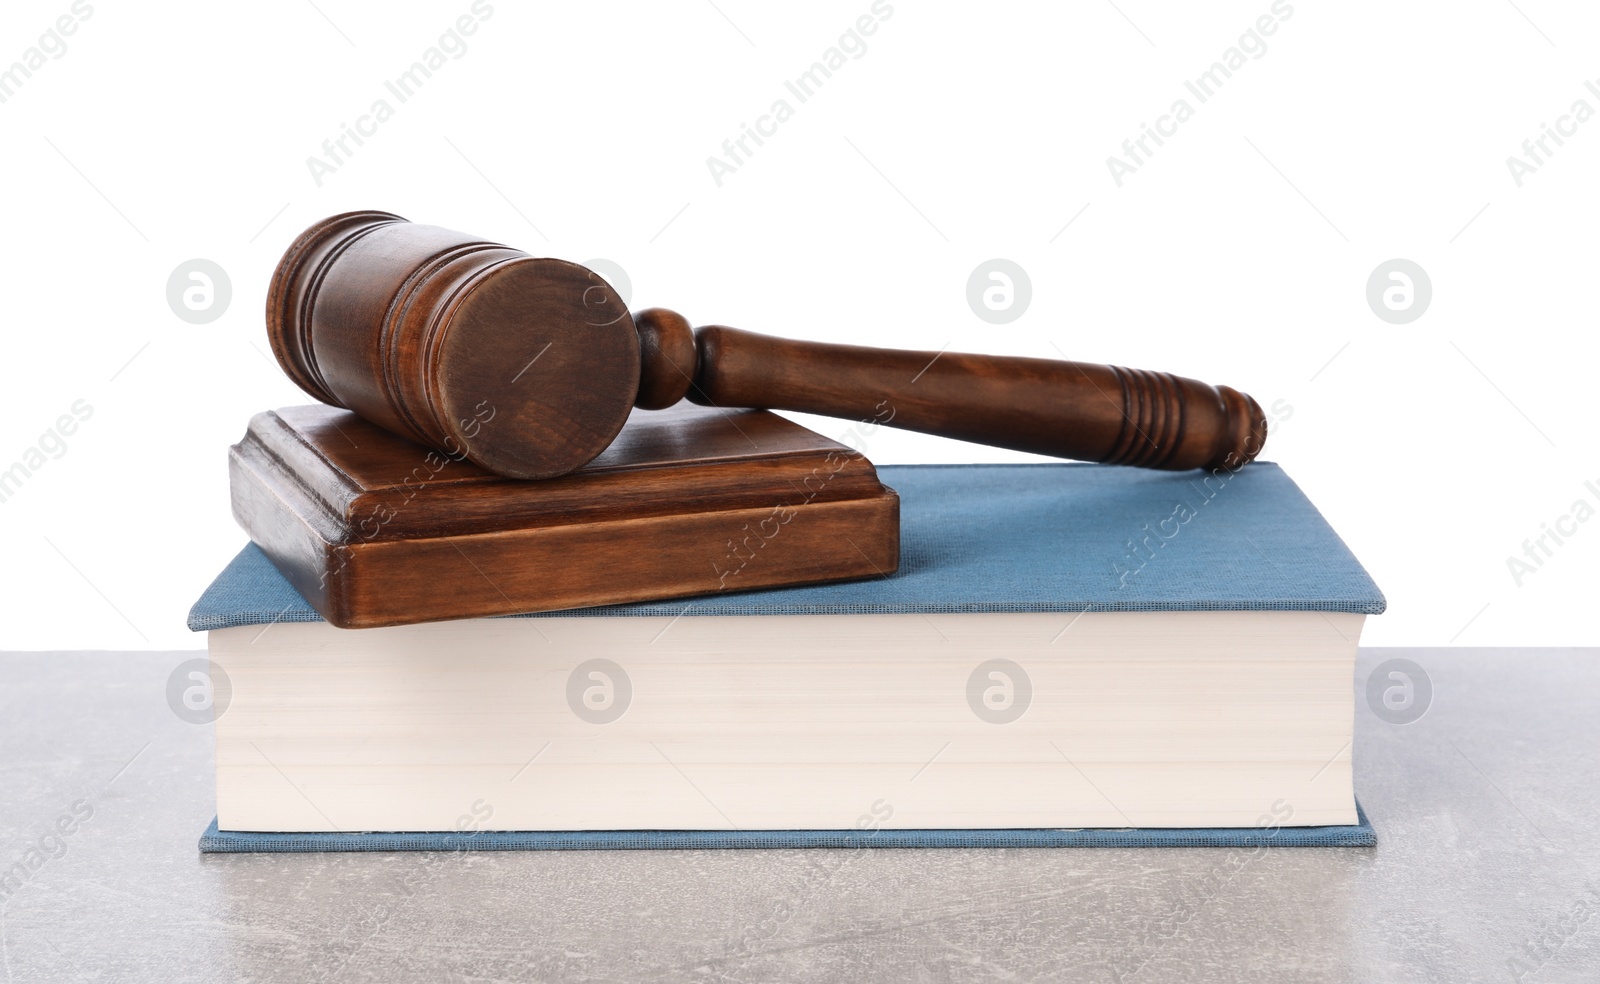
[[1075, 410]]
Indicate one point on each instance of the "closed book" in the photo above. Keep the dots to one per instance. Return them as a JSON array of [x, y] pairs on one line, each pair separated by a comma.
[[1064, 648]]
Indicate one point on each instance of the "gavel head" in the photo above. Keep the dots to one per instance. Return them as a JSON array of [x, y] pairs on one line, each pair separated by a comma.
[[527, 367]]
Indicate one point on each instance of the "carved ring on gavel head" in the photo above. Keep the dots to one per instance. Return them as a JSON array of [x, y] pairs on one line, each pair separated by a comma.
[[528, 367]]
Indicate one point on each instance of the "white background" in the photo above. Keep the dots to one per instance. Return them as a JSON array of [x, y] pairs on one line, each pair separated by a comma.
[[1239, 253]]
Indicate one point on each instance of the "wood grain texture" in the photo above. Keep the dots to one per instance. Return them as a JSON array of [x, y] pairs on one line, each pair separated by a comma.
[[425, 331], [376, 530], [1077, 410]]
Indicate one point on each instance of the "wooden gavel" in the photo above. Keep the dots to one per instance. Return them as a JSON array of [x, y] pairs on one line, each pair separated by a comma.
[[529, 367]]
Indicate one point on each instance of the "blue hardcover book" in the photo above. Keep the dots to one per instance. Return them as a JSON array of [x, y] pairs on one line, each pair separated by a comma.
[[1069, 655]]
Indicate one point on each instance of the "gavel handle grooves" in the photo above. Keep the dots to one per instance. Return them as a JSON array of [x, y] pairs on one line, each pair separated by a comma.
[[1077, 410]]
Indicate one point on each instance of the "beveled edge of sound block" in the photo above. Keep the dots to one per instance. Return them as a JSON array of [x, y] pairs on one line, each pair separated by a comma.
[[374, 530]]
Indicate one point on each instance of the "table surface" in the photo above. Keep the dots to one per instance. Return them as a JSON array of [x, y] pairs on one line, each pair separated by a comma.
[[1487, 868]]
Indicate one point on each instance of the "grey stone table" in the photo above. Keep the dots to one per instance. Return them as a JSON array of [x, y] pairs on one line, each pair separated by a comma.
[[1487, 869]]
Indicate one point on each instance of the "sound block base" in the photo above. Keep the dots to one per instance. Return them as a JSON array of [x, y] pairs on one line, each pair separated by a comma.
[[375, 530]]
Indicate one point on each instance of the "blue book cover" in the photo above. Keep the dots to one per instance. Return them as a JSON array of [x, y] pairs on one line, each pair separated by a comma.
[[1014, 538], [974, 538], [215, 841]]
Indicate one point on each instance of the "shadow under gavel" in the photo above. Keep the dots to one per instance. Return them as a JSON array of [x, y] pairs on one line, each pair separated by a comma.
[[529, 367]]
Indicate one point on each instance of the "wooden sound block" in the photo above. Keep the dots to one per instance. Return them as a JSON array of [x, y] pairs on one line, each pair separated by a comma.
[[375, 530]]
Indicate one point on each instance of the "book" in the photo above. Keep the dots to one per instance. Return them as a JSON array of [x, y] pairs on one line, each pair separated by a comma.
[[1064, 647], [216, 841]]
